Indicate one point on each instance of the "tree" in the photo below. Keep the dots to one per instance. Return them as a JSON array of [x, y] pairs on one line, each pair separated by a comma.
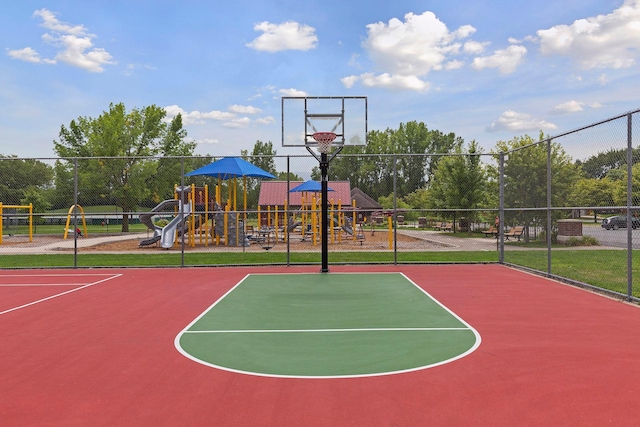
[[20, 175], [168, 170], [620, 186], [525, 178], [39, 203], [459, 182], [113, 151], [599, 165], [262, 156], [373, 166], [593, 192]]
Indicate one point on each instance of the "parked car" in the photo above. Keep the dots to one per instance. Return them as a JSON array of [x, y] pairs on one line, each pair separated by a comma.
[[619, 221]]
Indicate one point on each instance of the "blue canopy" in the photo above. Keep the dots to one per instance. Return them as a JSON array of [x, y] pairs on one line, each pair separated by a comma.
[[311, 186], [231, 167]]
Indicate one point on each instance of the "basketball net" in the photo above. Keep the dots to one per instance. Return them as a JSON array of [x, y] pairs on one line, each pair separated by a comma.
[[324, 140]]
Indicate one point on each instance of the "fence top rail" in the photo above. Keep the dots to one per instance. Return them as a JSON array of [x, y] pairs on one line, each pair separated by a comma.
[[592, 125]]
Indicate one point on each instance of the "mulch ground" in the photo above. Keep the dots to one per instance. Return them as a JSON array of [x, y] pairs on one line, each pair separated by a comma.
[[373, 241]]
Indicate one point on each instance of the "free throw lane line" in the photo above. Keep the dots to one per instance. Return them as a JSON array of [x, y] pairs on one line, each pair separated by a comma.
[[80, 287]]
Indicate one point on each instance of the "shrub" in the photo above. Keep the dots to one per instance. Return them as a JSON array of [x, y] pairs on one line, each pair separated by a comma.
[[161, 222], [582, 241]]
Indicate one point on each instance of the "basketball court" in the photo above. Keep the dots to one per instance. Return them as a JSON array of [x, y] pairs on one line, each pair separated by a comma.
[[471, 345], [363, 345]]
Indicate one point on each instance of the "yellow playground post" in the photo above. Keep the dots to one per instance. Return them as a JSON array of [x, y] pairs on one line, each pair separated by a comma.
[[29, 207], [84, 222]]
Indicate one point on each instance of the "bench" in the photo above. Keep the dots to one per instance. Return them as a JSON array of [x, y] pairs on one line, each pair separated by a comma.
[[514, 232], [491, 231], [443, 226]]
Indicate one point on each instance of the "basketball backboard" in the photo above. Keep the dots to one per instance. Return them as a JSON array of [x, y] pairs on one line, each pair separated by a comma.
[[302, 116]]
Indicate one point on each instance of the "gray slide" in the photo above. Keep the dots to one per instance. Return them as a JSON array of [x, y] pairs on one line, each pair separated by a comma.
[[167, 234]]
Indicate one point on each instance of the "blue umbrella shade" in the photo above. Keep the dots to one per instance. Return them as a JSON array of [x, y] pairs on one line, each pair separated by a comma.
[[311, 186], [231, 167]]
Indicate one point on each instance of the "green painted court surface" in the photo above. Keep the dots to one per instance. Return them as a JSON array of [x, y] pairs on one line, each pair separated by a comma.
[[326, 325]]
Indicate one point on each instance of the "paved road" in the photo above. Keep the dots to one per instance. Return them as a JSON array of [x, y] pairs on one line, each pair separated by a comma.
[[613, 238]]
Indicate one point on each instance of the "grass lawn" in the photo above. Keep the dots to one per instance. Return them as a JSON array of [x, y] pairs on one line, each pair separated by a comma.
[[598, 267], [89, 259], [603, 268]]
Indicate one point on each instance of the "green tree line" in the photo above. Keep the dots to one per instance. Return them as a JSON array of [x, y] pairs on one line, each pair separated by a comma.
[[431, 169]]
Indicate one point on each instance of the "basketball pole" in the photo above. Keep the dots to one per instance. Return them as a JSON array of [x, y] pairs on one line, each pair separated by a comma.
[[324, 192], [324, 161]]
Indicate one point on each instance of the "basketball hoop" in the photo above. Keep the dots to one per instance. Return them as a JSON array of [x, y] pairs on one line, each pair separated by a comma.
[[324, 140]]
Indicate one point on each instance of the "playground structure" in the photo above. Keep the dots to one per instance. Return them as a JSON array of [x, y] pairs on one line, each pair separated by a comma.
[[306, 221], [168, 233], [72, 212], [29, 207], [205, 222], [197, 216]]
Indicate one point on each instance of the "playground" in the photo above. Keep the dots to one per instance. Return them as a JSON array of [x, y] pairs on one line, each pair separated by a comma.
[[374, 240]]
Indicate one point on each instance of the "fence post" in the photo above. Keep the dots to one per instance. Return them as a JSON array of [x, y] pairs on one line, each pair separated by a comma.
[[395, 207], [500, 240], [629, 204], [286, 212], [75, 212], [549, 225]]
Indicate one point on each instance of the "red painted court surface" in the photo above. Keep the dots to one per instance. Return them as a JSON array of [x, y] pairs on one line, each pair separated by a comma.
[[98, 349]]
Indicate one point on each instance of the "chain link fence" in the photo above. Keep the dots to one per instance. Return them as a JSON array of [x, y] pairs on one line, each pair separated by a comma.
[[565, 206]]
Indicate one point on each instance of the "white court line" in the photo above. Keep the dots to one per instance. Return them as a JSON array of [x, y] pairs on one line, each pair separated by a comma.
[[258, 331], [16, 285], [56, 275], [466, 327], [80, 287]]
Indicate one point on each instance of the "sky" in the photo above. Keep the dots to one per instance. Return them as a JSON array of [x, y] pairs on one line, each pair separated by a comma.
[[486, 70]]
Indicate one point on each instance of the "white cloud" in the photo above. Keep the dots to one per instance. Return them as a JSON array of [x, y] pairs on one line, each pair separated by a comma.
[[74, 43], [292, 92], [387, 81], [506, 60], [244, 109], [196, 117], [77, 52], [229, 119], [50, 22], [212, 115], [208, 141], [568, 107], [474, 48], [288, 36], [415, 47], [453, 65], [603, 41], [265, 120], [354, 60], [349, 81], [27, 54], [405, 51], [603, 79], [238, 123], [574, 107], [519, 122]]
